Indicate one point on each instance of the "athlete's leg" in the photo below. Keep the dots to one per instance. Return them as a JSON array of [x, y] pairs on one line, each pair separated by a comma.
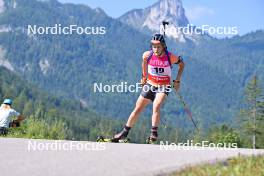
[[159, 100], [140, 105]]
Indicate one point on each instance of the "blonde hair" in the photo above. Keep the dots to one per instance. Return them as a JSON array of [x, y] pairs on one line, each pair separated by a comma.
[[5, 106]]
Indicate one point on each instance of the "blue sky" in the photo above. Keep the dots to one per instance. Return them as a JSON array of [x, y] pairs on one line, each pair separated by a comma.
[[247, 15]]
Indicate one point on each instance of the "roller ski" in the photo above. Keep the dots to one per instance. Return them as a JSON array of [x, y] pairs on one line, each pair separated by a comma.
[[151, 140], [114, 140], [118, 138]]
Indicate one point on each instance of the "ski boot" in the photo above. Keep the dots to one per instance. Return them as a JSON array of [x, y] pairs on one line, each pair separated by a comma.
[[121, 137]]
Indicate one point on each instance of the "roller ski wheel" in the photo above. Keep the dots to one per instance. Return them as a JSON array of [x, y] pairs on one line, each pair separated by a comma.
[[151, 140]]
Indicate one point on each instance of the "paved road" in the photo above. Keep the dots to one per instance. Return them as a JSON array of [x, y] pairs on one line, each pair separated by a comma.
[[66, 158]]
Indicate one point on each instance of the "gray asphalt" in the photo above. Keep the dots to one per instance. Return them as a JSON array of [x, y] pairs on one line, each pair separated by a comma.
[[66, 158]]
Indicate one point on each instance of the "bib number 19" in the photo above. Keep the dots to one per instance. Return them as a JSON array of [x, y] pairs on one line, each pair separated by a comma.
[[159, 70]]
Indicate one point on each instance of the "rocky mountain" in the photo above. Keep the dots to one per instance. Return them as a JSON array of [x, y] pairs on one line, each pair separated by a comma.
[[150, 19]]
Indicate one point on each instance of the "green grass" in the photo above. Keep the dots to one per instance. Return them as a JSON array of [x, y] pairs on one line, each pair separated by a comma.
[[239, 166]]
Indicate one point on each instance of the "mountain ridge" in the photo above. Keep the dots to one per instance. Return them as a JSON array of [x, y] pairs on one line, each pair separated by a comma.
[[150, 19]]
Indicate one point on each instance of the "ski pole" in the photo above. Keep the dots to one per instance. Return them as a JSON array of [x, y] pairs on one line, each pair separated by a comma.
[[186, 108]]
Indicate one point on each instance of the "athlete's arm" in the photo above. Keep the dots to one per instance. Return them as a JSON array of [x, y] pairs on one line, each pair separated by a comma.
[[180, 71], [177, 60], [144, 67]]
